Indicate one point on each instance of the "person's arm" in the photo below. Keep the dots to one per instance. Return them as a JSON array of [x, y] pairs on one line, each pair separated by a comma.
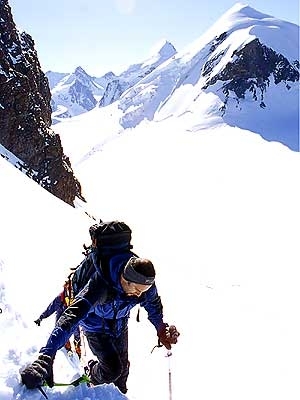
[[52, 307], [153, 305], [73, 314], [167, 335]]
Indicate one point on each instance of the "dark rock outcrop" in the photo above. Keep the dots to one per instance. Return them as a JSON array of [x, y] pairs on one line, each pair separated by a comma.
[[113, 92], [25, 113], [251, 71]]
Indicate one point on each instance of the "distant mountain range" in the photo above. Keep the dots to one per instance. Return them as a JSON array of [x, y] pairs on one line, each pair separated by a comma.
[[246, 64], [78, 92]]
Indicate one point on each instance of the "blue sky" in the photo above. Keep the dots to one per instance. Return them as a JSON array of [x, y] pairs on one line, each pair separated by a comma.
[[110, 35]]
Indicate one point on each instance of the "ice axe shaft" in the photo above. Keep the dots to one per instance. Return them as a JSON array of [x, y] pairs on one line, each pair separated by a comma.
[[169, 353]]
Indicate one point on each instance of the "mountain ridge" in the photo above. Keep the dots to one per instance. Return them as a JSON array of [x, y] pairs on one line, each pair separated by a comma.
[[72, 95], [215, 64], [244, 60]]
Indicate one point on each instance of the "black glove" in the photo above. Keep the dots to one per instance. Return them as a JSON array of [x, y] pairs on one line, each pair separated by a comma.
[[38, 373], [167, 335], [38, 321]]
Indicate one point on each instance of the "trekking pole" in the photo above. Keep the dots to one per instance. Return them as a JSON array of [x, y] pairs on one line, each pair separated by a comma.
[[169, 353], [42, 391]]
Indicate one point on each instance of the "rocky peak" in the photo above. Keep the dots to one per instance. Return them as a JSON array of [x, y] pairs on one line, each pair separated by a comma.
[[74, 94], [113, 92], [81, 94], [82, 76], [25, 113], [108, 76]]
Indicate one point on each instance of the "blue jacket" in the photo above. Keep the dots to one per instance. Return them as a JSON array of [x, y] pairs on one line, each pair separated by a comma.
[[102, 306]]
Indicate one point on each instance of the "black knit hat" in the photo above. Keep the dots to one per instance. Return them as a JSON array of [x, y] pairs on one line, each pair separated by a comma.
[[132, 275]]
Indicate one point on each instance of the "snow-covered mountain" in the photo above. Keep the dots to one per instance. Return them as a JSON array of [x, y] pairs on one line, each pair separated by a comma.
[[161, 52], [78, 92], [72, 94], [246, 63]]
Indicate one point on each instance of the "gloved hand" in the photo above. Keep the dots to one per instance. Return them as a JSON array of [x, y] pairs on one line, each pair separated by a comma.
[[167, 335], [38, 321], [39, 372]]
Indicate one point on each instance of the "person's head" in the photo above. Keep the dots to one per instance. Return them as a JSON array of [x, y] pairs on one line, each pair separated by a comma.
[[138, 276]]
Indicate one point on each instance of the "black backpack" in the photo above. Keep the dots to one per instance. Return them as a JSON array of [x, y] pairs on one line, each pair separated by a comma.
[[108, 239]]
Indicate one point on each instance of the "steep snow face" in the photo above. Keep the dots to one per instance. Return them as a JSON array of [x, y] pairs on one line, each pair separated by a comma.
[[161, 52], [248, 62]]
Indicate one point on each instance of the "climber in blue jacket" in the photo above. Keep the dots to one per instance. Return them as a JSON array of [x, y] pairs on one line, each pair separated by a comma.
[[102, 309]]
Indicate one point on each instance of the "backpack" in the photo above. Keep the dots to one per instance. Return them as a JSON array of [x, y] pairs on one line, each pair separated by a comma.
[[108, 239]]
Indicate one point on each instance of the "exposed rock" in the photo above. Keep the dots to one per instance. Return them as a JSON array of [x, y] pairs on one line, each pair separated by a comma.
[[25, 112], [112, 92], [83, 96], [251, 71]]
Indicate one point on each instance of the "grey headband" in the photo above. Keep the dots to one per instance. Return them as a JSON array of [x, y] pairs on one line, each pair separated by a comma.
[[131, 275]]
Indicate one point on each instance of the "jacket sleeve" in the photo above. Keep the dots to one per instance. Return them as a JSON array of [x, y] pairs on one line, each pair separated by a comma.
[[153, 306], [71, 317], [52, 307]]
